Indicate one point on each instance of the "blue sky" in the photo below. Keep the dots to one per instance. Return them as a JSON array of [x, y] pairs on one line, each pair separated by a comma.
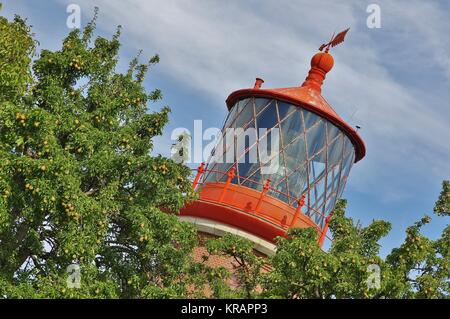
[[393, 81]]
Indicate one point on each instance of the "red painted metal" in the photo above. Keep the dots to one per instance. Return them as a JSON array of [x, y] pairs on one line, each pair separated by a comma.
[[324, 230], [230, 176], [237, 206], [300, 204], [200, 171], [263, 194], [308, 97], [258, 83]]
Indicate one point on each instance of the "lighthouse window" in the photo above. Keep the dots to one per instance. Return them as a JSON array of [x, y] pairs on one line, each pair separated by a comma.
[[347, 164], [291, 128], [261, 104], [267, 118], [285, 109], [279, 174], [243, 103], [298, 182], [246, 144], [254, 181], [314, 156], [315, 137], [333, 179], [332, 132], [310, 118], [231, 117], [296, 153], [317, 167], [317, 199], [280, 191], [245, 116], [335, 151], [246, 169]]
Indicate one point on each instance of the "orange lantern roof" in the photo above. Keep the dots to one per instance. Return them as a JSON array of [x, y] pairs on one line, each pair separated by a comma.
[[307, 96]]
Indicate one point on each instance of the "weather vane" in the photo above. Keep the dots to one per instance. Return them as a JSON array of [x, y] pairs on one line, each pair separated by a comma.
[[335, 40]]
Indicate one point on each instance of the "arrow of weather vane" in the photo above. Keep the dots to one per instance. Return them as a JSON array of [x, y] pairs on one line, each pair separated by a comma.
[[335, 40]]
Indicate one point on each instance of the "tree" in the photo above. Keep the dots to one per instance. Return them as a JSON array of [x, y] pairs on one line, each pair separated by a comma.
[[419, 268], [77, 182]]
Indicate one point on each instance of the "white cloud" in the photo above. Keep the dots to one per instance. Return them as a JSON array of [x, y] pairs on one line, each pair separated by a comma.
[[217, 47]]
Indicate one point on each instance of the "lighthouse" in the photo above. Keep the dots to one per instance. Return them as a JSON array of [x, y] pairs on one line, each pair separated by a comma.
[[302, 153]]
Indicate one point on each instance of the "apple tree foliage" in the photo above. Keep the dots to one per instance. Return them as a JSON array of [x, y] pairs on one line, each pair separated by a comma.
[[78, 185]]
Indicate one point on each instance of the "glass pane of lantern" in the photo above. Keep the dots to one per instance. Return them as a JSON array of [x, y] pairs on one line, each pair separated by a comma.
[[246, 140], [291, 127], [222, 170], [335, 151], [310, 118], [269, 139], [254, 181], [277, 173], [317, 199], [250, 124], [332, 132], [318, 193], [243, 103], [295, 154], [231, 116], [315, 137], [317, 167], [267, 118], [229, 146], [297, 183], [285, 109], [245, 116], [347, 164], [246, 170], [260, 104], [333, 179], [281, 191], [211, 176], [348, 147], [330, 204]]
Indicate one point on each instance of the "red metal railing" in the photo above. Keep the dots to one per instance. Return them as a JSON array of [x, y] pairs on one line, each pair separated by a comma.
[[199, 180]]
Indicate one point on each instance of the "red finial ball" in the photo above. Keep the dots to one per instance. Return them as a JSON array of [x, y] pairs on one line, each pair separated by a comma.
[[323, 61]]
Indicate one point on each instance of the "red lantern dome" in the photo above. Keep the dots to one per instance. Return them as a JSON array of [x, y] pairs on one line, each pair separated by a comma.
[[314, 152]]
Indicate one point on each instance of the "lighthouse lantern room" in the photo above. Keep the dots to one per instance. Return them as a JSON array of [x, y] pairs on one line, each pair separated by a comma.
[[282, 161]]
